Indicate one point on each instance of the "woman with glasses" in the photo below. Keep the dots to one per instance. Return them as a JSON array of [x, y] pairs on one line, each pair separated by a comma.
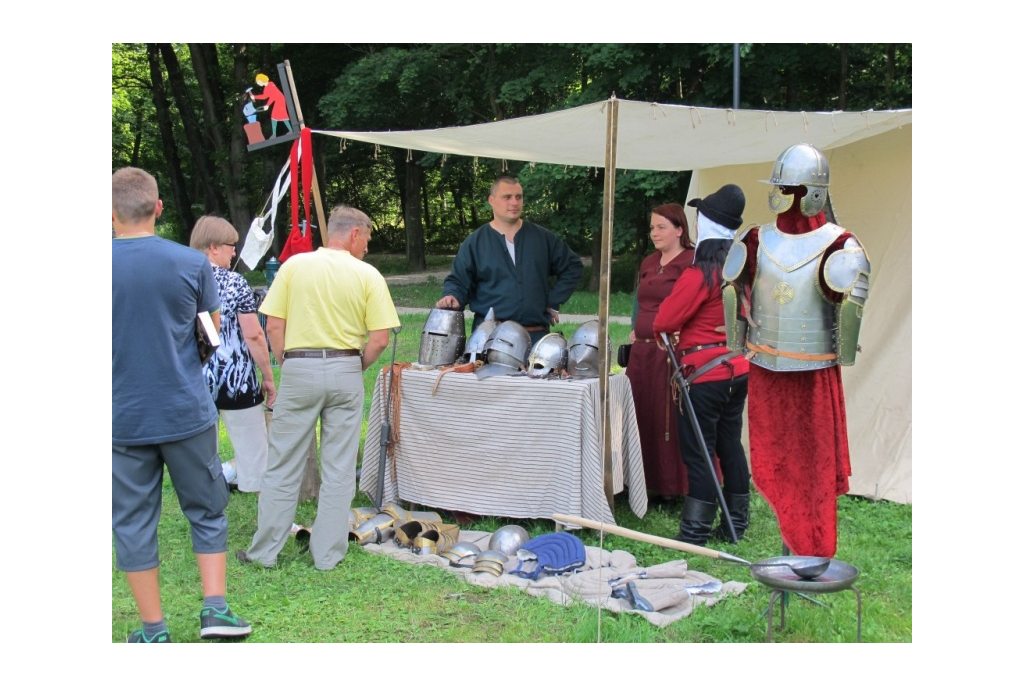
[[231, 374]]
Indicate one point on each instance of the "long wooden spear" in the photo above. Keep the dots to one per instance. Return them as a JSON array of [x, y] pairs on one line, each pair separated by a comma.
[[644, 537]]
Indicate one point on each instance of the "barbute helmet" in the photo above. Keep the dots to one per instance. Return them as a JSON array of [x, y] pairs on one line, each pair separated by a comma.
[[799, 165], [549, 355]]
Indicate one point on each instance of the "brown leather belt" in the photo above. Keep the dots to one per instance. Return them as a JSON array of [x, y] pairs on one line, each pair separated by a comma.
[[698, 348], [528, 329], [765, 349], [320, 354], [647, 340]]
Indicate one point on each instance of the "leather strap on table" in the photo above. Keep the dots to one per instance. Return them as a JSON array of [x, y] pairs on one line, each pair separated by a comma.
[[396, 409], [457, 368]]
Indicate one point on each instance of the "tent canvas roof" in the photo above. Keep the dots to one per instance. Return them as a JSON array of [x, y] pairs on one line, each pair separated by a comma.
[[650, 135], [870, 154]]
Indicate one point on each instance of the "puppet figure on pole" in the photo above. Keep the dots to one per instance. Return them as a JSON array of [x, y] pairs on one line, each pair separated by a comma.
[[282, 103], [794, 296]]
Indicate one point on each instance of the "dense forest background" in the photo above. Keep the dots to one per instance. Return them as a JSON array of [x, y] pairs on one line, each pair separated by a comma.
[[177, 112]]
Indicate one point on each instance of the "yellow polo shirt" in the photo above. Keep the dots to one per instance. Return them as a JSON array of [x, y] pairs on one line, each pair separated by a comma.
[[329, 299]]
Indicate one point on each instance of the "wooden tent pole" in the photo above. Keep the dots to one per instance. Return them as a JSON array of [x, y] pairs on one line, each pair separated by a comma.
[[316, 186], [607, 223]]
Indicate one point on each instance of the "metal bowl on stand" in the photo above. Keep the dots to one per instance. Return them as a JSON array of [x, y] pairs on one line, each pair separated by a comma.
[[779, 573]]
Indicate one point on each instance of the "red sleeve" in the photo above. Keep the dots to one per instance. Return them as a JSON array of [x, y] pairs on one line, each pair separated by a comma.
[[752, 240], [683, 302]]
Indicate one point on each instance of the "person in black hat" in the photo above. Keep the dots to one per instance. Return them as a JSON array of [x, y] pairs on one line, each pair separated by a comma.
[[693, 315]]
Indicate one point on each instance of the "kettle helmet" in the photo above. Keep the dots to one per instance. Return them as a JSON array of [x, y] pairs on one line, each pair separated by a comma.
[[799, 165]]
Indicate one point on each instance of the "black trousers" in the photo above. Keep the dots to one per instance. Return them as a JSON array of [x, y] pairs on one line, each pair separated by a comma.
[[719, 409]]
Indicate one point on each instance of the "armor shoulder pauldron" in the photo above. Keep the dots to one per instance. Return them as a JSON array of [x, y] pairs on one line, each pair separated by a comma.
[[847, 270], [736, 259]]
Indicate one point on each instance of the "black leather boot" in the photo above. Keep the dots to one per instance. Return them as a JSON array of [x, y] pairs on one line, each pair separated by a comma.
[[739, 512], [695, 526]]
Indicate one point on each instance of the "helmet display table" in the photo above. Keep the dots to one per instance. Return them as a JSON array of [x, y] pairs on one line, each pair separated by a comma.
[[508, 446]]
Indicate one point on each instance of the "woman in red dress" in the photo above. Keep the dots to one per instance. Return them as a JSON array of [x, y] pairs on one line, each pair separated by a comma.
[[648, 369]]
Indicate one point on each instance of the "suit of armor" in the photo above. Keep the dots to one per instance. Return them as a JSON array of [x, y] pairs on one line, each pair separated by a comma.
[[794, 292], [794, 322]]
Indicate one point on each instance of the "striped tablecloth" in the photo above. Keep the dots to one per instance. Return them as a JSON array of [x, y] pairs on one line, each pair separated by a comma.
[[509, 446]]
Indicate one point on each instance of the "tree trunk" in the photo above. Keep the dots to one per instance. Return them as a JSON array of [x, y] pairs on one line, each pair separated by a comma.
[[230, 160], [890, 72], [202, 167], [414, 246], [844, 68], [179, 190]]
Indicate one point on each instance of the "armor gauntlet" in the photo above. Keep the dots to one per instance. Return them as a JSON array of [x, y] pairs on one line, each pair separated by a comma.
[[734, 282], [846, 272]]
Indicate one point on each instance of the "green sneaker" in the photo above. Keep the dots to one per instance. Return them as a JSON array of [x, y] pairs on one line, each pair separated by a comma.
[[140, 636], [217, 623]]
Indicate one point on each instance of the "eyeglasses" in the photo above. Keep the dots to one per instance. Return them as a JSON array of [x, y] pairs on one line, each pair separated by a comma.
[[231, 245]]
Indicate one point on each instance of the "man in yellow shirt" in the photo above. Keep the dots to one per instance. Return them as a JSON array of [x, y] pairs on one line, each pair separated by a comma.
[[319, 311]]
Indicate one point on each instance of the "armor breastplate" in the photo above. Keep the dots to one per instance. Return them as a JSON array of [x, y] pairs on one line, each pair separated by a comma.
[[795, 322]]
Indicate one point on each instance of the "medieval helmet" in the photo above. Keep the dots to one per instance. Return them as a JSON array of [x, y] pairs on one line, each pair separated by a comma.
[[477, 343], [506, 349], [549, 355], [444, 337], [799, 165], [508, 539], [583, 351]]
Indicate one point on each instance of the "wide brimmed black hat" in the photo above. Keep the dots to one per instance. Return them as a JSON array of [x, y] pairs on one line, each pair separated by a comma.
[[724, 206]]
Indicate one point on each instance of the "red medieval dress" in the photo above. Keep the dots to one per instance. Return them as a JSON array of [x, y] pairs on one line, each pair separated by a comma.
[[649, 372], [799, 451]]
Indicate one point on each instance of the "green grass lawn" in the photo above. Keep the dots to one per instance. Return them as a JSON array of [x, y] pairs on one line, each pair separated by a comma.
[[425, 295], [371, 598]]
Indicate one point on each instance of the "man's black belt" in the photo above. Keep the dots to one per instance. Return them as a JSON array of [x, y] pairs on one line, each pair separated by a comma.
[[320, 354]]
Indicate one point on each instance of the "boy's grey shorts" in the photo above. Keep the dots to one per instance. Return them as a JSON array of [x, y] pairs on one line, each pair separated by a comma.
[[198, 479]]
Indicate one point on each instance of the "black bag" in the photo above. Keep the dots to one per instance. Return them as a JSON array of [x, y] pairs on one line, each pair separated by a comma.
[[623, 357]]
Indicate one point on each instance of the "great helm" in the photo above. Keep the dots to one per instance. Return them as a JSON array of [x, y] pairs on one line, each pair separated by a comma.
[[477, 343], [549, 355], [508, 539], [799, 165], [584, 356], [444, 337]]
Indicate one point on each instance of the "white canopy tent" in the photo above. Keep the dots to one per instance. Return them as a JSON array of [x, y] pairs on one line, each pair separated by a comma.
[[870, 155]]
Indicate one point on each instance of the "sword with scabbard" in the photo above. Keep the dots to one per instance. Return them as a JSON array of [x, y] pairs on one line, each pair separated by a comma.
[[685, 390], [385, 427]]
